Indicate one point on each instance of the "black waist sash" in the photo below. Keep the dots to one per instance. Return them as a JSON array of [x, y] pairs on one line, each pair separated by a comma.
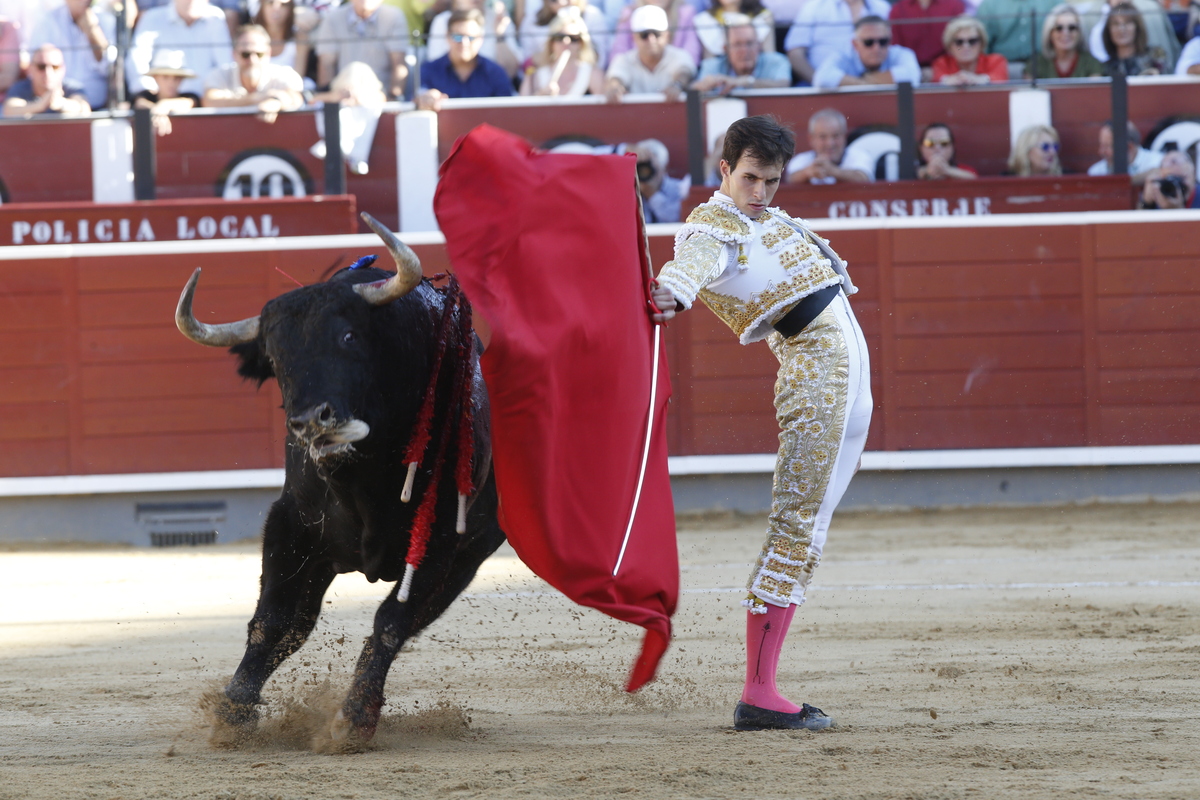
[[806, 311]]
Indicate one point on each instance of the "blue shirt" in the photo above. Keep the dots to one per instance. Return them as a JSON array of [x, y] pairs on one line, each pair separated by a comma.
[[769, 67], [900, 61], [23, 90], [488, 79]]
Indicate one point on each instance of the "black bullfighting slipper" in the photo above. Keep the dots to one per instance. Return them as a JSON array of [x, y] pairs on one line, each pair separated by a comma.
[[752, 718]]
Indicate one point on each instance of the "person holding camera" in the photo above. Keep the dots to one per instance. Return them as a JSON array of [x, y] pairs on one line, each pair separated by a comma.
[[1172, 184], [662, 195]]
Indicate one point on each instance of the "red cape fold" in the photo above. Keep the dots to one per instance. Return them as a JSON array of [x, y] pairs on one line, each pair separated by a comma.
[[548, 248]]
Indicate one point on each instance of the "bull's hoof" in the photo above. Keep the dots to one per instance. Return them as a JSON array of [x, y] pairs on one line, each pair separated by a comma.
[[343, 736], [231, 724]]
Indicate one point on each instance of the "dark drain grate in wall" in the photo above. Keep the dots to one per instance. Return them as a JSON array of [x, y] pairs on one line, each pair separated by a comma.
[[191, 539], [186, 524]]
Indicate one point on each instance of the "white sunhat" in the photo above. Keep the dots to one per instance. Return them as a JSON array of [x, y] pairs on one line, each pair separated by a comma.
[[648, 18], [170, 62]]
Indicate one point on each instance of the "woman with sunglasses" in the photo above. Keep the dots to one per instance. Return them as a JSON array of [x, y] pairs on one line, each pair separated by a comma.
[[1126, 44], [965, 62], [1036, 153], [566, 67], [936, 156], [1063, 54]]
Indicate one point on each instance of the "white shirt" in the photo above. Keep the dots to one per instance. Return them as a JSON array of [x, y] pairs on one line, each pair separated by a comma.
[[803, 160], [57, 28], [1144, 161], [205, 44], [675, 65], [1189, 57]]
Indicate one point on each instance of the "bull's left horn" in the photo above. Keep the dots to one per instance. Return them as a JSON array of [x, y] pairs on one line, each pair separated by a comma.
[[408, 268], [225, 335]]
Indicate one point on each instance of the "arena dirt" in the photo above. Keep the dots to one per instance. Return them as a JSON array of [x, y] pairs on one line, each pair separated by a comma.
[[1046, 653]]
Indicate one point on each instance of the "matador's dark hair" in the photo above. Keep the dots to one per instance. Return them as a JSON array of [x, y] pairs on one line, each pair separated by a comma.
[[761, 138]]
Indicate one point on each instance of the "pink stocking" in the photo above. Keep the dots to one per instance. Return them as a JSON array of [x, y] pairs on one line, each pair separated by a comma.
[[764, 641]]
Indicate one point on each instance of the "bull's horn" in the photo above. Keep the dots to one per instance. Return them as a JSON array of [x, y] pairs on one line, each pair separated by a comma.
[[225, 335], [408, 268]]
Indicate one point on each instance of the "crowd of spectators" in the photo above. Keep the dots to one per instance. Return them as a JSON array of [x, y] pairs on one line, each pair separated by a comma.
[[611, 47], [61, 57]]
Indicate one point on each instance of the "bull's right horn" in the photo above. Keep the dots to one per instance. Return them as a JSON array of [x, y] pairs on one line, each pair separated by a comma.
[[408, 268], [225, 335]]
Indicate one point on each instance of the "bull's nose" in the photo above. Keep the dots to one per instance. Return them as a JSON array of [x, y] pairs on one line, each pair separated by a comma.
[[317, 418]]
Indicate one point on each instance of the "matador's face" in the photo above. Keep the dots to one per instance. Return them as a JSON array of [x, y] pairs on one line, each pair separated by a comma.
[[751, 184]]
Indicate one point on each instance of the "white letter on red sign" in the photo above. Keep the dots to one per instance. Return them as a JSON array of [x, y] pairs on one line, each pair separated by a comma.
[[21, 229], [267, 228], [60, 232]]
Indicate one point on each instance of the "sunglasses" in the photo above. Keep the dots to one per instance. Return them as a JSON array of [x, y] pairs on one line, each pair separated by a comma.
[[570, 38], [974, 40], [249, 54], [882, 41], [1048, 147], [648, 34], [1066, 28], [937, 143], [44, 67], [459, 38]]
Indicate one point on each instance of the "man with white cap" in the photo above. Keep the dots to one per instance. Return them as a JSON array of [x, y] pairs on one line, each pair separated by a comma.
[[169, 70], [653, 65]]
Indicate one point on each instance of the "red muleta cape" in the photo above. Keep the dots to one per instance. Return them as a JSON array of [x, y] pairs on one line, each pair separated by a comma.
[[549, 249]]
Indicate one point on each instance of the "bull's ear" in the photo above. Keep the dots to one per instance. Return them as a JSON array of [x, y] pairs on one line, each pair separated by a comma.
[[253, 364]]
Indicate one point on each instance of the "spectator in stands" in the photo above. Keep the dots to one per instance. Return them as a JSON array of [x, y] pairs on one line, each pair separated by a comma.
[[937, 159], [196, 27], [418, 14], [168, 70], [871, 59], [10, 55], [923, 38], [366, 31], [965, 62], [1063, 53], [1160, 33], [567, 66], [654, 65], [291, 32], [662, 195], [232, 9], [1172, 184], [462, 72], [1035, 153], [499, 38], [535, 27], [1188, 64], [252, 80], [826, 161], [823, 29], [712, 22], [681, 28], [1007, 26], [1125, 42], [46, 90], [744, 65], [1139, 161], [83, 34]]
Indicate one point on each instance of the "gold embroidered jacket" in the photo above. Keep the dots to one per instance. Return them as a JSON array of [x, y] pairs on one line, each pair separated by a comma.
[[749, 272]]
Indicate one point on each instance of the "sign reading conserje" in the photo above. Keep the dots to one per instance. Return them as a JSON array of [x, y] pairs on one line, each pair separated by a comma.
[[88, 223]]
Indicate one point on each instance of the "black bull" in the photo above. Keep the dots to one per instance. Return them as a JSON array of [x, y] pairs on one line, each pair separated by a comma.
[[352, 357]]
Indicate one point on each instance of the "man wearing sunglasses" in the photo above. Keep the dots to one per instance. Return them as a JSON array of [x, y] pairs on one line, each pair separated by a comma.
[[46, 90], [871, 59], [252, 80], [653, 65], [462, 72], [84, 34]]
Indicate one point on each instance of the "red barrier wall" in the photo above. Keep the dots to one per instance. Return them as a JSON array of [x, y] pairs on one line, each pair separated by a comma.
[[982, 335]]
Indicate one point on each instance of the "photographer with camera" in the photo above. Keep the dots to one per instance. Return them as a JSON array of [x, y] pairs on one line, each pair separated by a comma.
[[1172, 184], [662, 195]]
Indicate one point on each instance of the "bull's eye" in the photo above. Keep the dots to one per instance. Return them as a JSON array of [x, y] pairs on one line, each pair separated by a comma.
[[349, 338]]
